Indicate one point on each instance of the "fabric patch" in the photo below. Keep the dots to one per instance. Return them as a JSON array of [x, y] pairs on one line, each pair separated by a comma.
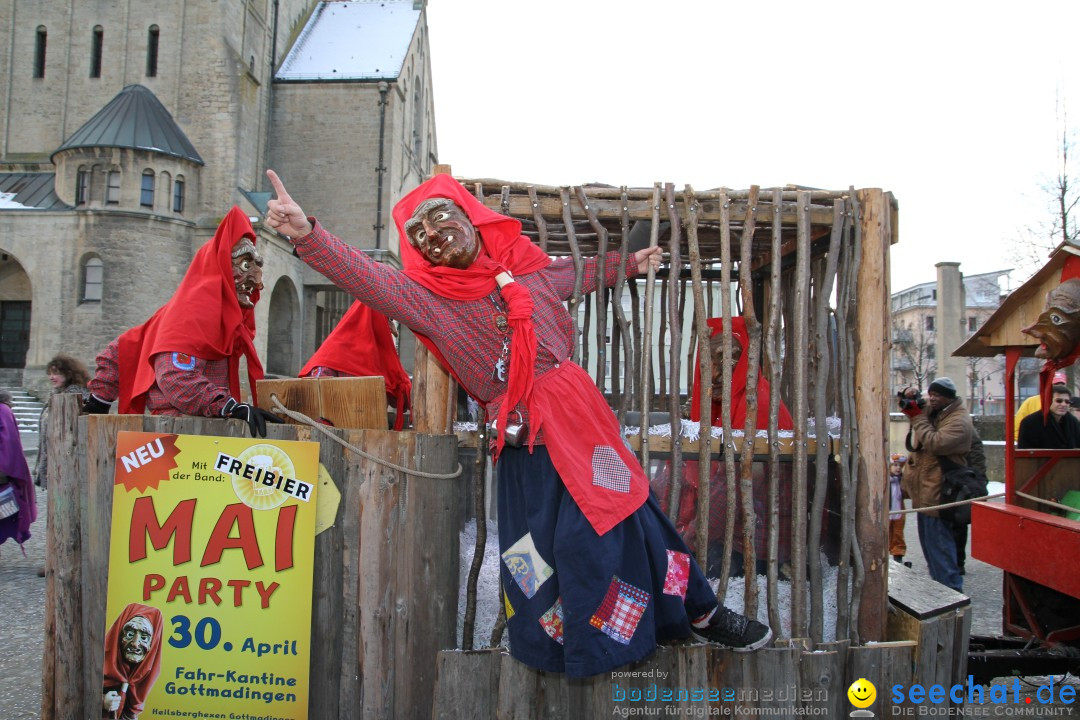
[[678, 573], [608, 469], [621, 610], [525, 564], [183, 361], [509, 607], [552, 621]]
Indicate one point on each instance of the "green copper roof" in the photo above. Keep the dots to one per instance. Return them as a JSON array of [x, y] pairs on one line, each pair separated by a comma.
[[134, 119]]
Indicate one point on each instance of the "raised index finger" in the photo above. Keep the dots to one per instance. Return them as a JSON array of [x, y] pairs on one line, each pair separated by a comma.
[[279, 189]]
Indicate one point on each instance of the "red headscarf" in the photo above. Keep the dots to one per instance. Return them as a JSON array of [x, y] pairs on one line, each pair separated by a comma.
[[504, 249], [117, 671], [361, 345], [738, 385], [203, 318]]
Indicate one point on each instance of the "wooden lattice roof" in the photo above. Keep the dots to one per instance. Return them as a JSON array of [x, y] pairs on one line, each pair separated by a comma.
[[557, 217]]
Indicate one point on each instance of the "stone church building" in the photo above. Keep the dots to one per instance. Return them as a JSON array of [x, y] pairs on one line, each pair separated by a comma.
[[128, 129]]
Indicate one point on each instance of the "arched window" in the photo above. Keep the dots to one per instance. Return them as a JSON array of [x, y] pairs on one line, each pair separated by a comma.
[[178, 194], [164, 188], [146, 195], [112, 188], [96, 45], [418, 121], [82, 186], [39, 51], [152, 51], [93, 275]]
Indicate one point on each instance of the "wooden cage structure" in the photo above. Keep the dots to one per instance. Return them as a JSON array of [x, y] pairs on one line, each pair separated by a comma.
[[808, 270]]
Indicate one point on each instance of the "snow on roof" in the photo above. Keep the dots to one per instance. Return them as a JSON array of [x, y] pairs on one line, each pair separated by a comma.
[[365, 40], [7, 201], [29, 191]]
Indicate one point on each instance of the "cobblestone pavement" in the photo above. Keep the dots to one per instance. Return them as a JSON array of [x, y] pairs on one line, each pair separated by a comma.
[[22, 597]]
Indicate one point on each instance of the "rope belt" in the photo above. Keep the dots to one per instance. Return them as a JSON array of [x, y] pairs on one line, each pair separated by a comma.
[[947, 505], [305, 420]]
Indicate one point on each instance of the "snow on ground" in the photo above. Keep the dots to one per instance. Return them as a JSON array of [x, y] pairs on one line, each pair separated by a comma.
[[487, 593]]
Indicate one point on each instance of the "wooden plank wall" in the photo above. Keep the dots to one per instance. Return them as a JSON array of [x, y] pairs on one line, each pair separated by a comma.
[[778, 681], [386, 574]]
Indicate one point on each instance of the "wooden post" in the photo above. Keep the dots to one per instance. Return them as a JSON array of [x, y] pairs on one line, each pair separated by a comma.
[[66, 493], [98, 462], [885, 665], [431, 382], [871, 409]]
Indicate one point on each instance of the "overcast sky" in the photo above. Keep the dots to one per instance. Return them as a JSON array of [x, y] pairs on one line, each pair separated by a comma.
[[949, 105]]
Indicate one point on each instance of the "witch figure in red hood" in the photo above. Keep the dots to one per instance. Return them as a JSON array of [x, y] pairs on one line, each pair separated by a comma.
[[185, 360], [132, 661], [594, 575], [686, 520], [362, 345]]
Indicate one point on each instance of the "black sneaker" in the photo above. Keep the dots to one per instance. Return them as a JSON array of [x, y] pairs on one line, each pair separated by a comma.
[[734, 631]]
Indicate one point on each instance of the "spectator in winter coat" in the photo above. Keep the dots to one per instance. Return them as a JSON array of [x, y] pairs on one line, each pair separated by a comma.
[[1058, 430], [940, 426]]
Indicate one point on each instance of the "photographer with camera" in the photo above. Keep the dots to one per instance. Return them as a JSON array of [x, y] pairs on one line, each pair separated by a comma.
[[941, 427]]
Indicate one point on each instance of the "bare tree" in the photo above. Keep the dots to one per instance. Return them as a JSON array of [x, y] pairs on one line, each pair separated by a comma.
[[916, 347], [1061, 193], [975, 375]]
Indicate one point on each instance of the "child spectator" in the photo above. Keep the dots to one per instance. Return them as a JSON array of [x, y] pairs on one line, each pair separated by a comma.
[[897, 546]]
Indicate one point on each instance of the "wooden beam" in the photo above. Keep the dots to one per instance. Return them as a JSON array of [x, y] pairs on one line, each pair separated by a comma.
[[551, 208], [871, 397]]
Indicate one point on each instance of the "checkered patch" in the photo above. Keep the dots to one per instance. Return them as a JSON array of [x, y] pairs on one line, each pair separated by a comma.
[[678, 573], [608, 469], [526, 566], [552, 621], [509, 607], [620, 612]]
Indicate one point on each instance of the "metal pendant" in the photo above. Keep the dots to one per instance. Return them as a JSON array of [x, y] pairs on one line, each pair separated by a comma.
[[499, 373], [501, 323]]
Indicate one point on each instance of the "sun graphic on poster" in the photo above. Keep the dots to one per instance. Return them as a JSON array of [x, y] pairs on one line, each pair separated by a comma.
[[268, 458]]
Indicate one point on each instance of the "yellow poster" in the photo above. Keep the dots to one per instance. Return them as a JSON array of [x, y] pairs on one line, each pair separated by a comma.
[[210, 578]]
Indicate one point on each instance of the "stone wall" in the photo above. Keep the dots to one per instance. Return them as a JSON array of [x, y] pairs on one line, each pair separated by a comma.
[[214, 75]]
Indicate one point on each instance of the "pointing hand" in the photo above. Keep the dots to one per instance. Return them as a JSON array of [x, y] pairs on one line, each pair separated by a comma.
[[283, 214]]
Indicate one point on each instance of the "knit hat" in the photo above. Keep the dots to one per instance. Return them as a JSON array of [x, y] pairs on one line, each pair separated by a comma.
[[897, 458], [943, 386]]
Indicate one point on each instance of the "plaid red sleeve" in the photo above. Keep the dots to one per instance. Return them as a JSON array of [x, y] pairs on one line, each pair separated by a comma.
[[376, 285], [190, 384], [105, 384], [561, 273]]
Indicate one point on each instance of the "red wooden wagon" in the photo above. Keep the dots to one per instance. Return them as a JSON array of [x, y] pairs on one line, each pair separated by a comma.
[[1031, 535]]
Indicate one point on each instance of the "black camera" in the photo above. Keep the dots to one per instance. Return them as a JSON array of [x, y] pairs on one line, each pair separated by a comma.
[[907, 402]]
